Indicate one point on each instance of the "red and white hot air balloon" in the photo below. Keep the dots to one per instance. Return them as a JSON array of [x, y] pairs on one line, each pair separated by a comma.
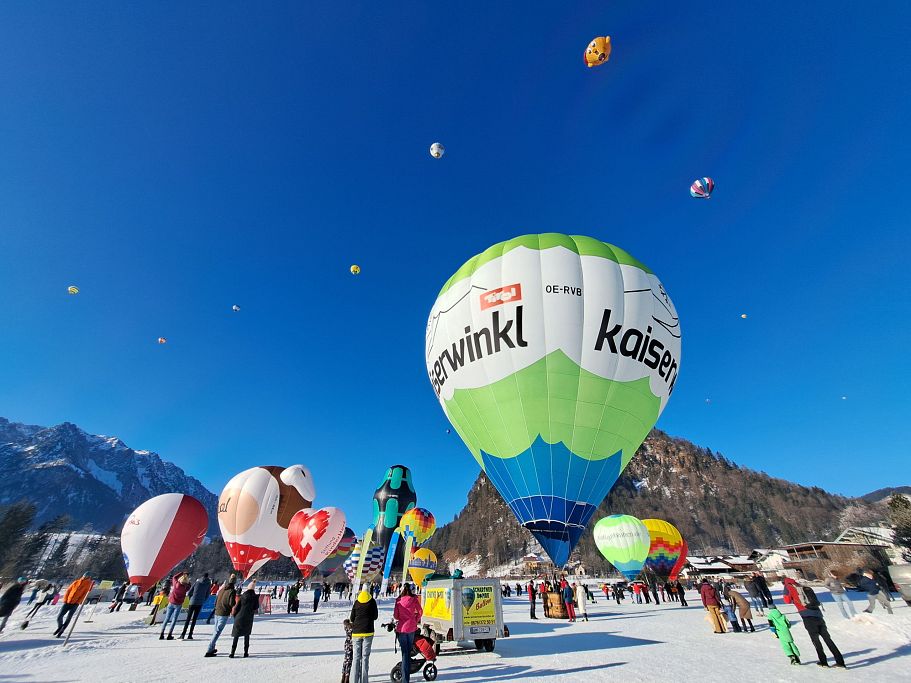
[[254, 511], [160, 534], [314, 535]]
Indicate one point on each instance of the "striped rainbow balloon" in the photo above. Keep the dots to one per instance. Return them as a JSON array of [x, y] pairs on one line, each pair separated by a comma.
[[665, 549]]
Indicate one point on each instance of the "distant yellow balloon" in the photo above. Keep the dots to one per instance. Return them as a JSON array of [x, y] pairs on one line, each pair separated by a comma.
[[598, 51], [355, 270], [72, 289]]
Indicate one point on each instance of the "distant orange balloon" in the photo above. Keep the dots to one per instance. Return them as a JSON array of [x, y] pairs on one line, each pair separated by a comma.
[[598, 51]]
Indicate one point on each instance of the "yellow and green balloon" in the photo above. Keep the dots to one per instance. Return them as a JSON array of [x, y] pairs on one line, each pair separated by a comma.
[[624, 541]]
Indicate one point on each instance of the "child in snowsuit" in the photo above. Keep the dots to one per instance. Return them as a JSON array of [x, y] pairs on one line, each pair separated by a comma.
[[781, 629], [732, 616], [349, 652]]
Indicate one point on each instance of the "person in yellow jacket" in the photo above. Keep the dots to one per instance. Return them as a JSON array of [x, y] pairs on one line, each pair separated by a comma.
[[364, 614], [74, 596]]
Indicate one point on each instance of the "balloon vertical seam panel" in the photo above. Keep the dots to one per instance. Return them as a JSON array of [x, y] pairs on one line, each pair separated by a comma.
[[519, 408]]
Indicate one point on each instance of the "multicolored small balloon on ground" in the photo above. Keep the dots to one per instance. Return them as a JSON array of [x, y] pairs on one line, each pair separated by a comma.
[[355, 269], [598, 51], [702, 188], [72, 289], [437, 150]]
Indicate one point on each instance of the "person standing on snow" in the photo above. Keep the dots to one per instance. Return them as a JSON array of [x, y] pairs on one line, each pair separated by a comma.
[[407, 614], [10, 600], [868, 584], [582, 600], [364, 614], [317, 593], [199, 593], [764, 593], [224, 604], [840, 596], [712, 603], [804, 599], [568, 596], [681, 593], [74, 596], [781, 629], [180, 586], [119, 596], [44, 598], [243, 612], [743, 609], [753, 592], [530, 589]]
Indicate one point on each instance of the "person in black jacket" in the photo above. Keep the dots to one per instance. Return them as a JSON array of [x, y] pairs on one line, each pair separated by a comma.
[[363, 616], [243, 613], [764, 593], [10, 600], [198, 595]]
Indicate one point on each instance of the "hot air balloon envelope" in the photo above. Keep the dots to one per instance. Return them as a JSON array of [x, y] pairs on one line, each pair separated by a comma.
[[160, 534], [680, 563], [254, 511], [598, 51], [314, 535], [419, 524], [339, 555], [72, 289], [624, 542], [437, 150], [702, 188], [393, 498], [553, 356], [423, 564], [665, 547]]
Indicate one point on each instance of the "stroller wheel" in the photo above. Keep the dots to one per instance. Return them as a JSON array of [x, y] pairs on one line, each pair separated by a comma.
[[430, 672], [396, 674]]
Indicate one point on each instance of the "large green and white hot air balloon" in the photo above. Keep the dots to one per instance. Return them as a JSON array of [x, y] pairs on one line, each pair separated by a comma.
[[553, 356]]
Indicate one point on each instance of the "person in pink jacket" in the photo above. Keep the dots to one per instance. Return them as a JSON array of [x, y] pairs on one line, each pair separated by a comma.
[[407, 615]]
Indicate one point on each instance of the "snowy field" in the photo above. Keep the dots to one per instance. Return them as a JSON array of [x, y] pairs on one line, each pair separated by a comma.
[[627, 642]]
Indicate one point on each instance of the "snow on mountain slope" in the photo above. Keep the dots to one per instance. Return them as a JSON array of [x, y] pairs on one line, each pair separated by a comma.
[[96, 480]]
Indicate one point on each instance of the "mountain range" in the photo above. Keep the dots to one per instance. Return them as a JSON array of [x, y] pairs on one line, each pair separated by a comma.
[[96, 480], [718, 507]]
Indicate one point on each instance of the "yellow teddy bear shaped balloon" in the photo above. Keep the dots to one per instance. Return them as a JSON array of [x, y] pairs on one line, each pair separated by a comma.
[[598, 51]]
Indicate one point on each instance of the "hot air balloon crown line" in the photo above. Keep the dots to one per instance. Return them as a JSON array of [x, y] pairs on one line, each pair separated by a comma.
[[553, 354]]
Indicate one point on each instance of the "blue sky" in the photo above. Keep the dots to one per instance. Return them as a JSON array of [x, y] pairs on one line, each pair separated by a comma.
[[172, 161]]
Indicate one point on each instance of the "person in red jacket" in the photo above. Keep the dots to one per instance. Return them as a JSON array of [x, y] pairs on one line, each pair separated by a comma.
[[531, 598], [180, 586], [807, 605], [712, 603]]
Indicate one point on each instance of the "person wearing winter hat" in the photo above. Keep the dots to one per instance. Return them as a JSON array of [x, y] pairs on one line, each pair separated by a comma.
[[10, 600], [363, 616]]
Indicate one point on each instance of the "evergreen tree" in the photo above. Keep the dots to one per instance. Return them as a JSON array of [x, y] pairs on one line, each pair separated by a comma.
[[14, 523], [55, 566], [34, 545], [900, 511]]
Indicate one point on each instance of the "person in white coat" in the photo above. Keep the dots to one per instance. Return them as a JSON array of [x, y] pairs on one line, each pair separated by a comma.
[[581, 600]]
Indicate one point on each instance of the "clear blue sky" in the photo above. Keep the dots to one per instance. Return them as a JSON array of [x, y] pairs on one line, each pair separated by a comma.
[[173, 159]]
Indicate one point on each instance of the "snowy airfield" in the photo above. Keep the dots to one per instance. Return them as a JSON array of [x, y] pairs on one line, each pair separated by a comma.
[[626, 642]]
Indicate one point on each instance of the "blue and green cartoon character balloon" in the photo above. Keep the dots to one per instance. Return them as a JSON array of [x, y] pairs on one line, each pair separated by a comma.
[[553, 356]]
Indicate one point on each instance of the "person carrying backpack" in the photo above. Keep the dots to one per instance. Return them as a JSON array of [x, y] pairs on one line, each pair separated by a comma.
[[807, 604]]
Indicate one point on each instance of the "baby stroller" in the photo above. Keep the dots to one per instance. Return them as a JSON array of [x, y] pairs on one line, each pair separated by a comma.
[[423, 656]]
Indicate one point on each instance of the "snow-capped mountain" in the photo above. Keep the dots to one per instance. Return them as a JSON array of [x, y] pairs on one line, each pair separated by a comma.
[[96, 480]]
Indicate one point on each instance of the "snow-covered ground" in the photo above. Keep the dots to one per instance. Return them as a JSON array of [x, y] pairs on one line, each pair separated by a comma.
[[627, 642]]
